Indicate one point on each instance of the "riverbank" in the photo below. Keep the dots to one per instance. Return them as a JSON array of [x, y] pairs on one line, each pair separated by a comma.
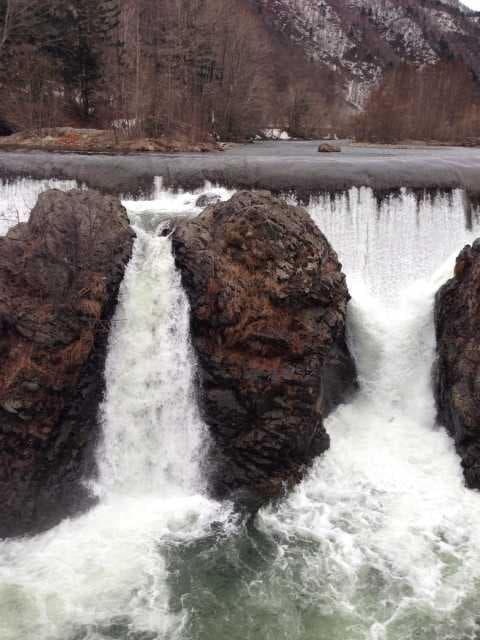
[[69, 139]]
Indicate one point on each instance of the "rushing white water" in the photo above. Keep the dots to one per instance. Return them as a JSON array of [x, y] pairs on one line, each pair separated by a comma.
[[18, 197], [388, 532], [175, 202], [150, 381], [102, 574], [379, 542], [383, 537], [392, 243]]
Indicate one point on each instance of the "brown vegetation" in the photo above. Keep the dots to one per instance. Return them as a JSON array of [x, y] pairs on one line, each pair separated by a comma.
[[188, 69], [99, 140], [164, 75], [437, 102]]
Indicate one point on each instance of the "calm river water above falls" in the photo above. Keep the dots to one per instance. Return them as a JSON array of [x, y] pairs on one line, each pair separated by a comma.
[[381, 541]]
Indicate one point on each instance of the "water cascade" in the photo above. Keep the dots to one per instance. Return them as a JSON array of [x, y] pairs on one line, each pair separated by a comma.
[[380, 542], [18, 197], [102, 573]]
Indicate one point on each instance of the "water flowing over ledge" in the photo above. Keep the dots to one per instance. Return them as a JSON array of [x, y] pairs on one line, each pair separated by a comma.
[[280, 167], [379, 543], [150, 374]]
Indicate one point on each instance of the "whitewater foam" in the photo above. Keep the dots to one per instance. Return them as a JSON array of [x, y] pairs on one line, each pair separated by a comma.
[[395, 531], [392, 243], [149, 369]]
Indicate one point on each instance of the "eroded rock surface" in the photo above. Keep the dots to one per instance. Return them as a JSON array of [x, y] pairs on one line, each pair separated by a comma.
[[59, 279], [457, 370], [268, 303]]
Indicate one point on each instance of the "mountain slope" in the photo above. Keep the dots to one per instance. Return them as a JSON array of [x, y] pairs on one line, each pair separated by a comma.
[[361, 38]]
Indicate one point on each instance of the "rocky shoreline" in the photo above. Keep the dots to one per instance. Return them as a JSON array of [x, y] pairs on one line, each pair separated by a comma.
[[101, 141]]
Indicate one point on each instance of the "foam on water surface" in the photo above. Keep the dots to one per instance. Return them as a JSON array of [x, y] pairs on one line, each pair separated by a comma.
[[389, 533]]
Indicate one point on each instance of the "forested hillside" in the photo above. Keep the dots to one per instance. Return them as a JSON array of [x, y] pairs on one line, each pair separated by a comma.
[[203, 69], [153, 66]]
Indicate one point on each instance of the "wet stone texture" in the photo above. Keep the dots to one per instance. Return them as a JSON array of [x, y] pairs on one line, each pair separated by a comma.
[[268, 303], [457, 370], [59, 278]]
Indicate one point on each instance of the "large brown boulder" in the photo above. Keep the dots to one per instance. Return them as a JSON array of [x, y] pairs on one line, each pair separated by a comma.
[[268, 303], [457, 370], [59, 279], [326, 147]]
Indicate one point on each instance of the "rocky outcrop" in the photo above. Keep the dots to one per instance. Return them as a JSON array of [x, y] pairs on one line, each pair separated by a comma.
[[326, 147], [359, 39], [268, 303], [207, 199], [59, 279], [457, 370]]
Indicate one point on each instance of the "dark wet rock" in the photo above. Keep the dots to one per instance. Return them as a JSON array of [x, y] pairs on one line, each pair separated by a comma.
[[59, 279], [206, 200], [457, 370], [268, 303], [6, 129], [327, 147]]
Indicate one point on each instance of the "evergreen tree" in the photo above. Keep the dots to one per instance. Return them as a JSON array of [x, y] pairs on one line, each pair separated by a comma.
[[21, 22], [77, 33]]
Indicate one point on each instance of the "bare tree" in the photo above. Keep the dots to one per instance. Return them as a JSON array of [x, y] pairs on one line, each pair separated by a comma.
[[18, 20]]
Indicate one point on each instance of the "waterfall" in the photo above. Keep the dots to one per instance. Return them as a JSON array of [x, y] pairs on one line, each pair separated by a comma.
[[380, 542], [382, 537], [102, 575], [393, 242], [152, 431], [18, 197], [383, 532]]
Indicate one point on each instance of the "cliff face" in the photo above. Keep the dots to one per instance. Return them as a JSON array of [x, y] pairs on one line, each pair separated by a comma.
[[360, 38], [457, 371], [268, 303], [59, 279]]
